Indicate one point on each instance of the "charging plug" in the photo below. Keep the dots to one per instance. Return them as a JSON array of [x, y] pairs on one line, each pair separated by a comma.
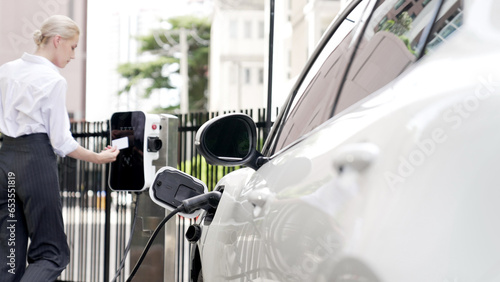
[[204, 201]]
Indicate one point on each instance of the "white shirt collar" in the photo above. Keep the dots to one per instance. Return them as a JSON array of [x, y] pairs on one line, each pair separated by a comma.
[[39, 60]]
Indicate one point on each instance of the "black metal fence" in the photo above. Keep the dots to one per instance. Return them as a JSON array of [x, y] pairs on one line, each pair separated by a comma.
[[86, 207], [98, 220]]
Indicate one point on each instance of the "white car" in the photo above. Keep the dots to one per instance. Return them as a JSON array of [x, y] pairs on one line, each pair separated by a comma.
[[383, 164]]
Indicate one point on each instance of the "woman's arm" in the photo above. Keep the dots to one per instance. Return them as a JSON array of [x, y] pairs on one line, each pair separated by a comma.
[[106, 156]]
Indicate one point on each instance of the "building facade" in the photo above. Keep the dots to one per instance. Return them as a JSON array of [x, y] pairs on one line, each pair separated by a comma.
[[239, 60], [17, 24], [237, 49]]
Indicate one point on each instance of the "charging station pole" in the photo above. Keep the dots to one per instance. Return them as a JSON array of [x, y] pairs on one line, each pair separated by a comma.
[[152, 214], [170, 134]]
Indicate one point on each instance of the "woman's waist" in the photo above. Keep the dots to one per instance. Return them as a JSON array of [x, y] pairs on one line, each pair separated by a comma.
[[28, 139]]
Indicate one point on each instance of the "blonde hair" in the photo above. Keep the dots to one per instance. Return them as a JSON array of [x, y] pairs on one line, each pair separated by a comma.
[[56, 25]]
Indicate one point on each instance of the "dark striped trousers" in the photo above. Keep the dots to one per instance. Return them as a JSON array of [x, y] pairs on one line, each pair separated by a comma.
[[30, 207]]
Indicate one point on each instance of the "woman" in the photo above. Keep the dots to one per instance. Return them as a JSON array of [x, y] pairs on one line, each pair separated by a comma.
[[34, 123]]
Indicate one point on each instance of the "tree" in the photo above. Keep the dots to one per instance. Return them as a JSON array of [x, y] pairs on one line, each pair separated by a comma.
[[163, 43], [399, 26]]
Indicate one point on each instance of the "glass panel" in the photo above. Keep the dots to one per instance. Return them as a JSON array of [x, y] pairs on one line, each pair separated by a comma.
[[127, 172], [447, 30], [315, 96], [387, 50], [398, 4]]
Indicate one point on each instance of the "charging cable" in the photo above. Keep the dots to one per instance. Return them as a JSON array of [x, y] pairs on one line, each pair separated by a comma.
[[203, 201]]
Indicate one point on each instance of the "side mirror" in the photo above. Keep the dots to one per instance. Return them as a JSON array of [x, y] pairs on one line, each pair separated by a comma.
[[229, 140]]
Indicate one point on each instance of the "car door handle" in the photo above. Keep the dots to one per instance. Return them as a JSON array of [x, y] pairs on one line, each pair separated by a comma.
[[357, 156], [259, 197]]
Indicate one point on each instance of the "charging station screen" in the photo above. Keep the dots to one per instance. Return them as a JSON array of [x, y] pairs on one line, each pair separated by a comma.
[[127, 133]]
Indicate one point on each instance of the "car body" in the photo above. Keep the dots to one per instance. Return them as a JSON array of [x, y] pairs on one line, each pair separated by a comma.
[[382, 165]]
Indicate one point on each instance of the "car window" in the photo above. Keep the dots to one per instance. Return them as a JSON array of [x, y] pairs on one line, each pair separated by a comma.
[[313, 98], [392, 41], [356, 66]]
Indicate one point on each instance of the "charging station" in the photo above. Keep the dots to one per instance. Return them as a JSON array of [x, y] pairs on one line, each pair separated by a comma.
[[147, 160], [143, 143]]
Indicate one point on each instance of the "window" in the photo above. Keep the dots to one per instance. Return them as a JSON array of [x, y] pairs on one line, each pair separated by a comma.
[[387, 50], [233, 29], [398, 4], [312, 100], [248, 75], [450, 27], [261, 29], [382, 22], [248, 29], [366, 52]]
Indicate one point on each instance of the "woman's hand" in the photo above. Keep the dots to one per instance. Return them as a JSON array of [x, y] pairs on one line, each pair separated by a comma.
[[108, 155]]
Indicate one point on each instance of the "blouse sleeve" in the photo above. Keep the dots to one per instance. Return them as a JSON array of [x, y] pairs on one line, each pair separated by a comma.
[[56, 120]]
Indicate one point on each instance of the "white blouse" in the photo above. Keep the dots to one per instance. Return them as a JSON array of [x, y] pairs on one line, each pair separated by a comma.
[[33, 100]]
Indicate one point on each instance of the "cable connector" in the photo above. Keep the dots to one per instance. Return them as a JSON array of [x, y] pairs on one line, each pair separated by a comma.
[[203, 201]]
